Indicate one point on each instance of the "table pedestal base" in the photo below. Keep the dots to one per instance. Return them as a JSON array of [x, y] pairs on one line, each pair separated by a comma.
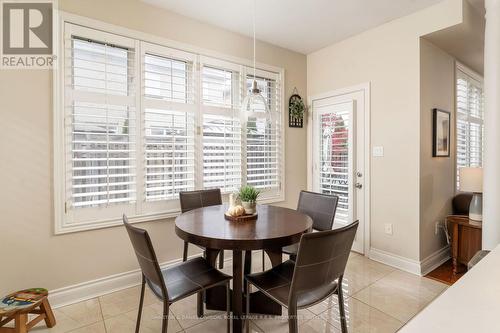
[[215, 298]]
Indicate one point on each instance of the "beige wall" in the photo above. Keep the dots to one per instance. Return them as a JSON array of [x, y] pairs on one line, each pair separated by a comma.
[[388, 57], [31, 254], [437, 174]]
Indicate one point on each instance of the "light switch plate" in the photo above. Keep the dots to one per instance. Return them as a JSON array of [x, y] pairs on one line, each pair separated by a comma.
[[378, 151], [388, 228]]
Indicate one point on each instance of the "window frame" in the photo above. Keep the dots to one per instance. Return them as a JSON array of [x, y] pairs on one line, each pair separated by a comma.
[[463, 70], [62, 224]]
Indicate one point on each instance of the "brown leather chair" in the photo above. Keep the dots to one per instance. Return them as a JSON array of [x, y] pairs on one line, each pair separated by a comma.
[[315, 275], [174, 283], [196, 199], [320, 208], [461, 203]]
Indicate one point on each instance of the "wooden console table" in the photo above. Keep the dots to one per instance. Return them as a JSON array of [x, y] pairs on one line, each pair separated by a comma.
[[466, 240]]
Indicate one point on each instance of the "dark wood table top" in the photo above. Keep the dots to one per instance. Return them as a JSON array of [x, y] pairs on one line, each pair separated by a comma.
[[464, 220], [275, 227]]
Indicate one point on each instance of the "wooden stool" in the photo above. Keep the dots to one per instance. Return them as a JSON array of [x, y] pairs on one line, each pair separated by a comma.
[[19, 305]]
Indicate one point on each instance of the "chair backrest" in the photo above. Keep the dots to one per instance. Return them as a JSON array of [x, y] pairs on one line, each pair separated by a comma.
[[321, 260], [146, 256], [319, 207], [461, 203], [196, 199]]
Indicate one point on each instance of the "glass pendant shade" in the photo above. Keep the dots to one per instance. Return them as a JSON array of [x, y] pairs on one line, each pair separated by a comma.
[[255, 105]]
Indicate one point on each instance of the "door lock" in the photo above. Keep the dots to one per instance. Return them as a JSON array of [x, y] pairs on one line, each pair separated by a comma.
[[359, 174], [358, 185]]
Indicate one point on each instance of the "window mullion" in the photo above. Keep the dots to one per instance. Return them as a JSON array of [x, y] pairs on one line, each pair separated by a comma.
[[243, 92], [139, 129], [197, 70]]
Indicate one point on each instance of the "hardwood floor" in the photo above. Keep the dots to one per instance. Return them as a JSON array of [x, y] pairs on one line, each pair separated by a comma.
[[444, 273]]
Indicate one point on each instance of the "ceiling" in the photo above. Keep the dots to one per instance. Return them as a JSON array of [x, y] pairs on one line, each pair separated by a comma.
[[300, 25]]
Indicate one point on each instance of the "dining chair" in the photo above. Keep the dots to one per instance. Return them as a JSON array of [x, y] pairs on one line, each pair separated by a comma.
[[197, 199], [321, 208], [315, 275], [174, 283]]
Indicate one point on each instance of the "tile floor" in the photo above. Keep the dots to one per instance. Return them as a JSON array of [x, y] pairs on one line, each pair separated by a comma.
[[379, 299]]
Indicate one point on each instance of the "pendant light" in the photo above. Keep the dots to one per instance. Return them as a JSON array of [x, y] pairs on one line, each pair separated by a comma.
[[254, 104]]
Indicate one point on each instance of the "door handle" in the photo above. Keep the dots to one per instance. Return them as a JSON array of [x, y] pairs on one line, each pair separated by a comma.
[[358, 185]]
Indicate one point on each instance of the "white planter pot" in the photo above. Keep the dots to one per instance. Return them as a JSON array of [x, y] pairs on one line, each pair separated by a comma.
[[250, 207]]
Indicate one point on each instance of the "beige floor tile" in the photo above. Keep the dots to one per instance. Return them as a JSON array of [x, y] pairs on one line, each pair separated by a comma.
[[151, 321], [124, 301], [186, 312], [361, 272], [73, 316], [326, 304], [400, 294], [213, 325], [94, 328], [362, 318], [280, 323], [318, 325], [314, 325]]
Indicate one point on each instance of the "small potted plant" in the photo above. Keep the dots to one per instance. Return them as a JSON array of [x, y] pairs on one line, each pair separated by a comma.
[[248, 196]]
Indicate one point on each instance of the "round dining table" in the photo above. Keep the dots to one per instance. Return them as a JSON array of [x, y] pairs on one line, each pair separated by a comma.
[[274, 228]]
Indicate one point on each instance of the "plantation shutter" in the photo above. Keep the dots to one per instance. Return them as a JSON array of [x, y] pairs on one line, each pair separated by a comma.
[[221, 94], [470, 129], [264, 137], [169, 122], [100, 120]]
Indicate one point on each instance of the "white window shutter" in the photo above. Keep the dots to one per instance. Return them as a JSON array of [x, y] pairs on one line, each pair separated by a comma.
[[264, 138], [100, 113], [169, 125], [470, 129], [221, 128]]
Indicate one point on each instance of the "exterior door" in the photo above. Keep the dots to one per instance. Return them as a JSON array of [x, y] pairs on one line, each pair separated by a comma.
[[338, 156]]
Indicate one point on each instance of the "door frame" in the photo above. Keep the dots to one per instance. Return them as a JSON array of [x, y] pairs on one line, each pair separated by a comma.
[[365, 89]]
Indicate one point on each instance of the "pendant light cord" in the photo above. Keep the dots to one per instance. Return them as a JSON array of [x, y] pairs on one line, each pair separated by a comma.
[[254, 44]]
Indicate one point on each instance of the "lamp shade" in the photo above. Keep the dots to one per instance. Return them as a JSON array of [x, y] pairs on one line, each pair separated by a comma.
[[471, 180]]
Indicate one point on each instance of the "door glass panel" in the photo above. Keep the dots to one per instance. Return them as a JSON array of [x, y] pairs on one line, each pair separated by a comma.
[[334, 160]]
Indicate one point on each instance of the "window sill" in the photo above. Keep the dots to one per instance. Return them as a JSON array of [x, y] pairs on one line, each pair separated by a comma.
[[101, 224]]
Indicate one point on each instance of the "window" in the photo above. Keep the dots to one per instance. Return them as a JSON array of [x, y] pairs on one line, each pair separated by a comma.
[[143, 122], [221, 95], [470, 129], [168, 120], [263, 141]]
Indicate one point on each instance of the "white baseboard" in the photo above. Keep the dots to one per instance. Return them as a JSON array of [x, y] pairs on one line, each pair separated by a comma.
[[391, 259], [422, 267], [102, 286], [434, 260]]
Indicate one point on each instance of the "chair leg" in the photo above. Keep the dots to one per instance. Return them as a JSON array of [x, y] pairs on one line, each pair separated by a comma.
[[228, 306], [50, 320], [221, 259], [21, 322], [340, 293], [292, 319], [185, 253], [201, 296], [200, 304], [263, 261], [247, 307], [164, 325], [141, 303]]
